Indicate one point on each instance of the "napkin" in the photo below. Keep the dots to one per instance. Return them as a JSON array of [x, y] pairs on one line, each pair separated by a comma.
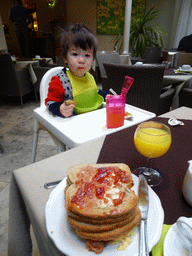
[[158, 248], [184, 232]]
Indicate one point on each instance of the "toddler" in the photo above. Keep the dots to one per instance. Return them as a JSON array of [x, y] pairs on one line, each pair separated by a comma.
[[74, 82]]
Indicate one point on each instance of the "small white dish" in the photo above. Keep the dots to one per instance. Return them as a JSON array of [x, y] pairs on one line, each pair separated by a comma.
[[13, 57], [139, 63], [186, 67], [173, 244], [185, 70], [37, 57]]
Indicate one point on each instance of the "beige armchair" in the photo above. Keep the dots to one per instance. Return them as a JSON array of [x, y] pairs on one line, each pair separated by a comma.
[[13, 82], [101, 58], [185, 97], [184, 58]]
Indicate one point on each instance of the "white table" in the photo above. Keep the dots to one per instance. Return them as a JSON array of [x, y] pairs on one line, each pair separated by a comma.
[[179, 82], [29, 65], [48, 60], [28, 197], [125, 59]]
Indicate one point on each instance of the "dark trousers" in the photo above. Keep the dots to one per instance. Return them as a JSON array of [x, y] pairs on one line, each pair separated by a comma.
[[23, 37]]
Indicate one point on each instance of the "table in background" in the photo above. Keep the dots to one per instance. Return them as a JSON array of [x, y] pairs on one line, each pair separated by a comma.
[[177, 80], [28, 197], [45, 61], [29, 65]]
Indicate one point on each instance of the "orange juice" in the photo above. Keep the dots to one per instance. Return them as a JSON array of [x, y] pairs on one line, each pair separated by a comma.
[[115, 117], [152, 142], [115, 111]]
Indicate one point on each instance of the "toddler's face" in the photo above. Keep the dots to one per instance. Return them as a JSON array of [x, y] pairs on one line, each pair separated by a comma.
[[79, 61]]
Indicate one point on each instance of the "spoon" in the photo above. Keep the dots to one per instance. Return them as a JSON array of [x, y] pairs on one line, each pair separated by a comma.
[[173, 121], [51, 184]]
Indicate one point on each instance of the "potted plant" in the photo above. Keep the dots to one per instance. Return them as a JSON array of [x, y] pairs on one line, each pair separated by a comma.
[[142, 33]]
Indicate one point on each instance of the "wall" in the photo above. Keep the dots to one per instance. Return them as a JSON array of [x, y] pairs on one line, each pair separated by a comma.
[[70, 11], [45, 15], [82, 11], [3, 44], [11, 40], [168, 15], [167, 18], [87, 15]]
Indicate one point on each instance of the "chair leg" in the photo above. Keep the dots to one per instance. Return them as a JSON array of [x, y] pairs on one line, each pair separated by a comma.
[[21, 99], [36, 98], [60, 146], [1, 148], [35, 141]]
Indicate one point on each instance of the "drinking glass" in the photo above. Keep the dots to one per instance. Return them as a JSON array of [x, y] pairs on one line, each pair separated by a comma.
[[115, 110], [151, 139]]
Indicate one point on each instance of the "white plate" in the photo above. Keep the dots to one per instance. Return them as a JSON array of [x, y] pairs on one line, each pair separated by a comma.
[[172, 244], [67, 241]]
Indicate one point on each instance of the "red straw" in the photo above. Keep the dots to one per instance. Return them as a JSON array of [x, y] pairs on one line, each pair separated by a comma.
[[126, 86]]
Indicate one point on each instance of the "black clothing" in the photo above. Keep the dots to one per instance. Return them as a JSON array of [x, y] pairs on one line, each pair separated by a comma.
[[185, 44], [21, 18], [19, 15]]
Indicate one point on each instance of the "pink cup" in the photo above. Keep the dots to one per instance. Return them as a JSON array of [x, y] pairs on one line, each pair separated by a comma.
[[115, 111]]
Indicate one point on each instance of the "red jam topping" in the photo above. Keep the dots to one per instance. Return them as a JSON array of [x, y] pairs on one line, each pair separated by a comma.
[[110, 172], [119, 200], [105, 176], [100, 192], [82, 192]]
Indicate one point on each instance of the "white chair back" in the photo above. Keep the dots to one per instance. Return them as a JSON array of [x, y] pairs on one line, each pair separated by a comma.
[[44, 85], [113, 57]]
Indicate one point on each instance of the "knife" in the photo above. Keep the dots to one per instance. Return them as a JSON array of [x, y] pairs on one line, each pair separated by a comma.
[[143, 206]]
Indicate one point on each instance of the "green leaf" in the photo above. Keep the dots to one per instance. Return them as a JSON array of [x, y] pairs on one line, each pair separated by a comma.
[[142, 33]]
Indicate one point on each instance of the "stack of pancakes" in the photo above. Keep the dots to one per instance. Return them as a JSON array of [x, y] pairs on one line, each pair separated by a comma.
[[100, 203]]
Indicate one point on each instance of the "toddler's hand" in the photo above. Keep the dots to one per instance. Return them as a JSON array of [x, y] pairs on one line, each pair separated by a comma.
[[66, 110]]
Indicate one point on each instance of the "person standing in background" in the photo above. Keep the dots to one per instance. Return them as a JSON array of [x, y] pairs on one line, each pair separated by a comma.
[[185, 44], [21, 18]]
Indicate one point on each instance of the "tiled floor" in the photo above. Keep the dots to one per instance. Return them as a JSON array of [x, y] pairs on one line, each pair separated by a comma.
[[16, 136]]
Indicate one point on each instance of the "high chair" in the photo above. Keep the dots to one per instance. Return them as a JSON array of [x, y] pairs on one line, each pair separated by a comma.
[[63, 131], [41, 114]]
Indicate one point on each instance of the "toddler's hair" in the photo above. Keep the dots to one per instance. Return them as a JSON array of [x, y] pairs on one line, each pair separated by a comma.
[[80, 36]]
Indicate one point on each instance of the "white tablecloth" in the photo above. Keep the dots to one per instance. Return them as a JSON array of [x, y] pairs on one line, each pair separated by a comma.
[[179, 82], [28, 64], [49, 60]]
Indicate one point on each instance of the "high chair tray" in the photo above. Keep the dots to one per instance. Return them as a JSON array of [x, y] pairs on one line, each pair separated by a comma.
[[76, 130]]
